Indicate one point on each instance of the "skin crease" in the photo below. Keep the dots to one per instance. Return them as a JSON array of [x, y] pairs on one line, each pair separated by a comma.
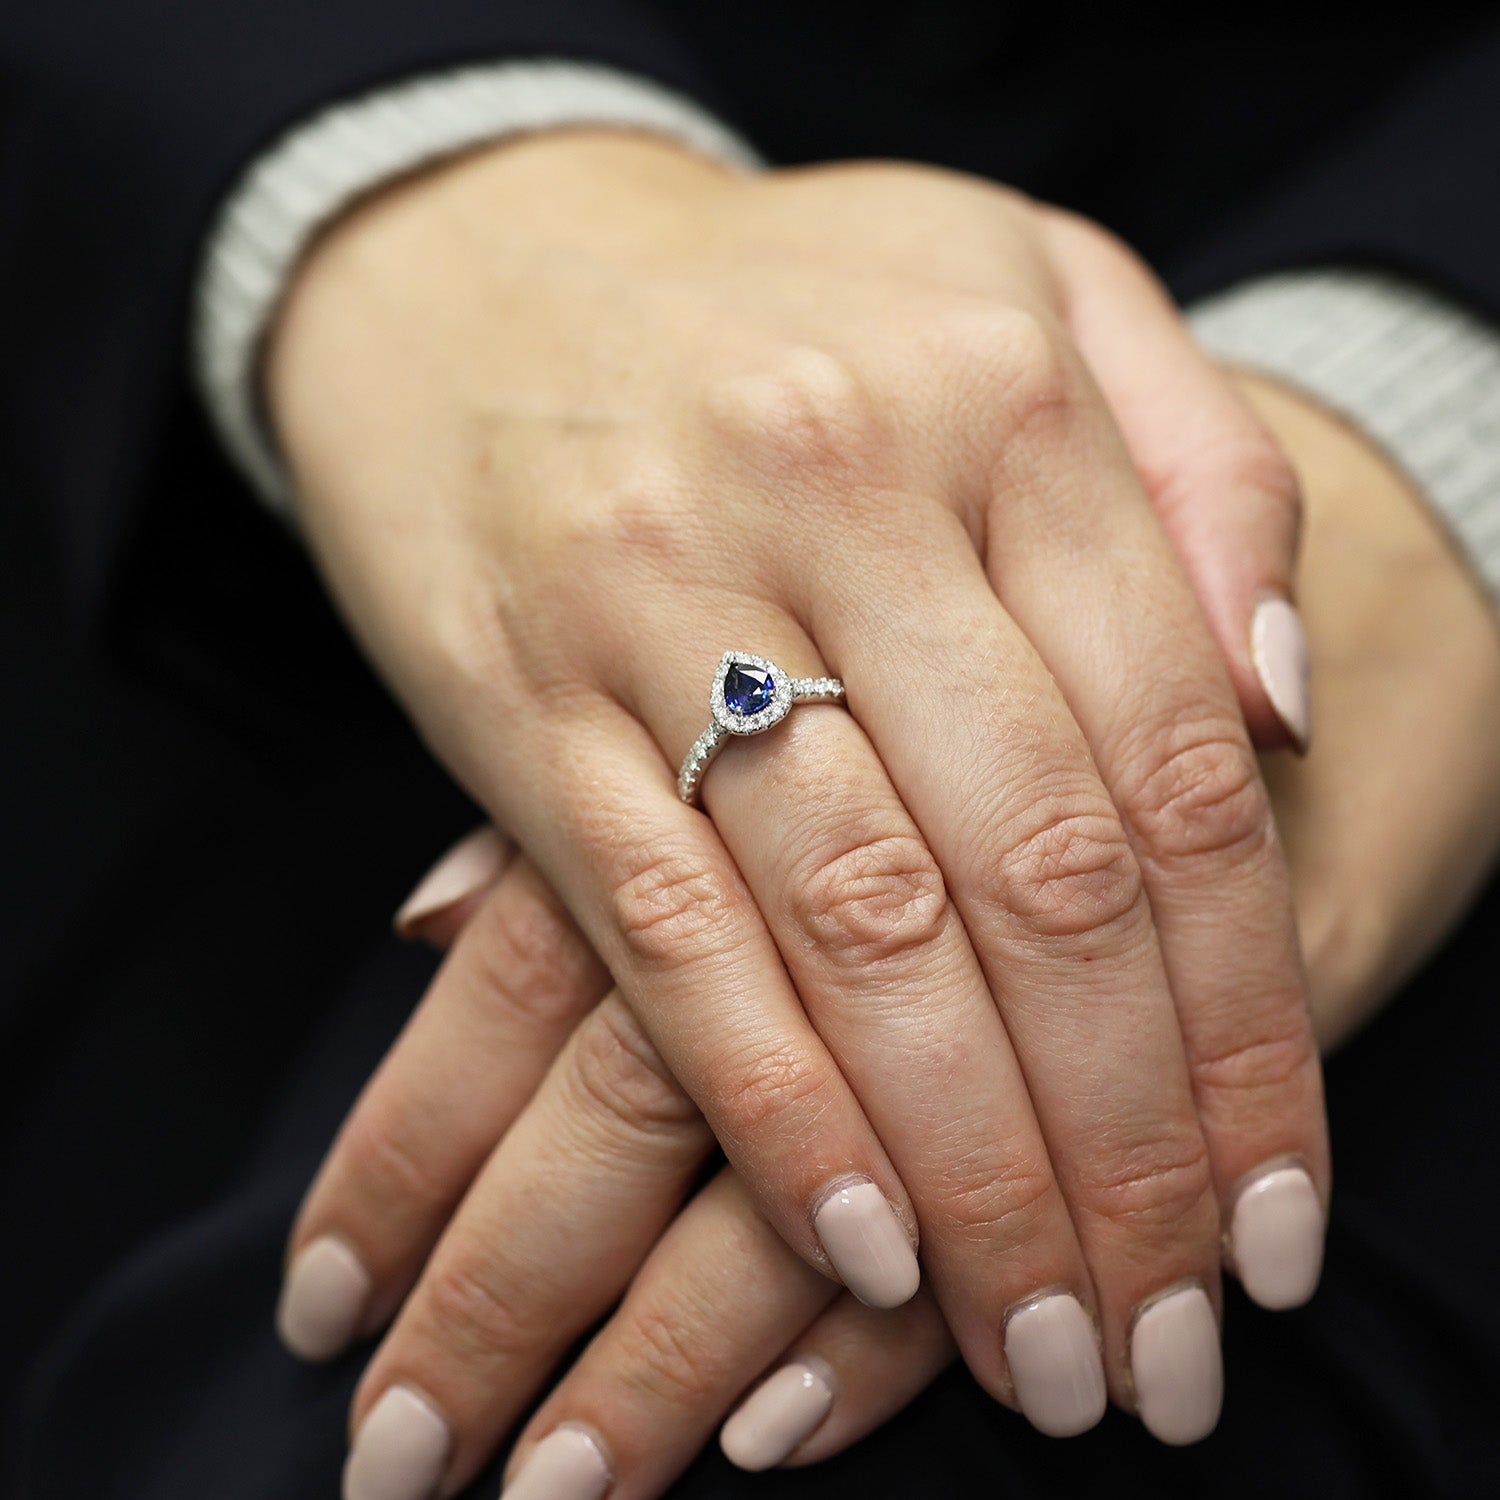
[[1406, 656], [506, 391]]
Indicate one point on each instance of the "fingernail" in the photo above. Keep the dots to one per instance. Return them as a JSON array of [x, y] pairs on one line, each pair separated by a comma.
[[781, 1412], [400, 1450], [867, 1245], [323, 1300], [1276, 1238], [566, 1465], [1054, 1359], [1176, 1366], [470, 865], [1278, 647]]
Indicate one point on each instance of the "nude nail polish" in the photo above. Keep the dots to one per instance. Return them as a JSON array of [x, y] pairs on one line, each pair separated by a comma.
[[782, 1412], [470, 865], [1055, 1364], [1177, 1367], [323, 1299], [568, 1464], [1278, 648], [867, 1244], [1276, 1237], [400, 1450]]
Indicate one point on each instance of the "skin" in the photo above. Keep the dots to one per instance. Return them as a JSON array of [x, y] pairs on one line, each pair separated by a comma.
[[1408, 662], [553, 409]]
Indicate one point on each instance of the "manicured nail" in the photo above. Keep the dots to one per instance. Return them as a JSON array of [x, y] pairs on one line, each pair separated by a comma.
[[1276, 1238], [780, 1413], [1177, 1366], [323, 1300], [400, 1450], [1278, 647], [566, 1465], [867, 1245], [470, 865], [1054, 1359]]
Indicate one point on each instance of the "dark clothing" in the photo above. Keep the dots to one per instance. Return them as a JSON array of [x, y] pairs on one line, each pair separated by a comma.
[[209, 807]]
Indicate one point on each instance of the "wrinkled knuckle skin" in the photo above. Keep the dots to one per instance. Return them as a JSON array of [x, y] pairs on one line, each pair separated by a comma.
[[473, 1322], [765, 1090], [802, 414], [1158, 1187], [673, 913], [621, 1074], [998, 1206], [873, 902], [662, 1360], [1071, 874], [530, 961], [1275, 1066], [383, 1163], [1202, 797], [1239, 463]]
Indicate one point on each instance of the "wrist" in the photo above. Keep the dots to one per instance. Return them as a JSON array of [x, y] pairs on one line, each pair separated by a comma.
[[1391, 822]]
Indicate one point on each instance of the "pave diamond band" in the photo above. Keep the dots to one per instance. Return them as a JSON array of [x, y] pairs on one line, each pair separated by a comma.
[[748, 696]]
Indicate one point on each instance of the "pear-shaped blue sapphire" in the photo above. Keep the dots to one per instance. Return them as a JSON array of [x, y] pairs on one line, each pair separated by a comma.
[[747, 689]]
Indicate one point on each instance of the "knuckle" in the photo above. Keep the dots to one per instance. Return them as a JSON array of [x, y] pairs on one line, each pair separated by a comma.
[[1001, 1205], [1069, 872], [1275, 1064], [620, 1074], [873, 901], [673, 912], [473, 1320], [382, 1158], [529, 960], [1235, 457], [662, 1360], [1159, 1185], [640, 523], [780, 1083], [1019, 357], [1201, 796], [802, 412]]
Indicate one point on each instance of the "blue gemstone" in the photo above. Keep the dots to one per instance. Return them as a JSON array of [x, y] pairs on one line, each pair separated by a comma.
[[747, 689]]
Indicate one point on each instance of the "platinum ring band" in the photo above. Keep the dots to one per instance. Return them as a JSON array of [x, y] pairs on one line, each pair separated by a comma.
[[749, 695]]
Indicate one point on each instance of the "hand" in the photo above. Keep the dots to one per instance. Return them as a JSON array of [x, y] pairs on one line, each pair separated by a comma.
[[540, 451], [1407, 654]]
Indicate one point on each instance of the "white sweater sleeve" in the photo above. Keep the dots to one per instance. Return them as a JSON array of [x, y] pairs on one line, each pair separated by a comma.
[[321, 166], [1419, 373]]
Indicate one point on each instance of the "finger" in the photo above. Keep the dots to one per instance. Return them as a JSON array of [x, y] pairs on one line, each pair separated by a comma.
[[998, 778], [1051, 895], [555, 1225], [890, 980], [717, 1300], [449, 894], [500, 1008], [1224, 491], [1161, 719], [669, 912], [848, 1373]]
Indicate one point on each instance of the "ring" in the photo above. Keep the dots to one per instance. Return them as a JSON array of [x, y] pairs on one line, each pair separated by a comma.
[[749, 695]]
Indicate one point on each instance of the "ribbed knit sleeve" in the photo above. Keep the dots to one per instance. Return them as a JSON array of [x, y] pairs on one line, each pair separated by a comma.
[[1415, 370]]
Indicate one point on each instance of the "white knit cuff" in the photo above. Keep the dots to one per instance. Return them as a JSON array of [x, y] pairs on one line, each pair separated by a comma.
[[322, 165], [1415, 370]]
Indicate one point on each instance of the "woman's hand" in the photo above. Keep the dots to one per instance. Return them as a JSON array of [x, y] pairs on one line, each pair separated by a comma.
[[562, 411], [1407, 654]]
